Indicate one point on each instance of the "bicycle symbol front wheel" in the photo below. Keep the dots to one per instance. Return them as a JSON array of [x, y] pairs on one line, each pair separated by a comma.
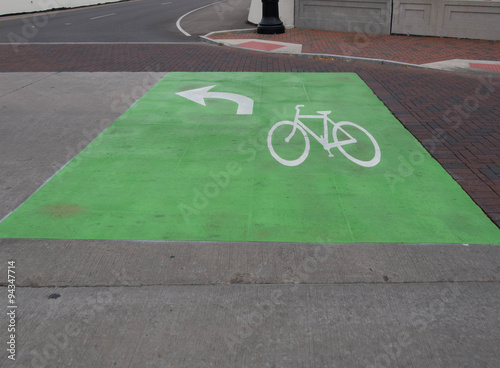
[[285, 145], [370, 148]]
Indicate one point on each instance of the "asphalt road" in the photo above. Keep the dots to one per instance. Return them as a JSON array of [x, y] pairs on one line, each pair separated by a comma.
[[128, 21]]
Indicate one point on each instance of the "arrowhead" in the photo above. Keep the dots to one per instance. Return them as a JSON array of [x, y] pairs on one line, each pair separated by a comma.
[[196, 95]]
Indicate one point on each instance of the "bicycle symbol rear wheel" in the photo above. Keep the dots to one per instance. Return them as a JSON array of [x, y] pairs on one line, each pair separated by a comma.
[[285, 131], [366, 163]]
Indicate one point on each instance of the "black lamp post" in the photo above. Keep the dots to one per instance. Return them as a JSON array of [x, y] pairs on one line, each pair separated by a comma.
[[270, 22]]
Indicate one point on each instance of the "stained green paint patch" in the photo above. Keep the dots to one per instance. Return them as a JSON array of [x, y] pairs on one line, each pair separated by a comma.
[[172, 169]]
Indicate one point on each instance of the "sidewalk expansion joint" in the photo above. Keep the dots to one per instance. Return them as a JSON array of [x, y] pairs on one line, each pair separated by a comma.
[[291, 284]]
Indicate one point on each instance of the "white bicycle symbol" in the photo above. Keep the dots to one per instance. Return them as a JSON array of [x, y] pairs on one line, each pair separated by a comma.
[[285, 126]]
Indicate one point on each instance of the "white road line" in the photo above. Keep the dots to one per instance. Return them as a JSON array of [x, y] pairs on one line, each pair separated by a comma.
[[102, 16], [166, 3], [178, 23]]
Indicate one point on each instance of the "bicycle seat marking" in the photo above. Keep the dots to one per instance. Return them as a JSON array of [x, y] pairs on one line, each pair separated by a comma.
[[288, 130]]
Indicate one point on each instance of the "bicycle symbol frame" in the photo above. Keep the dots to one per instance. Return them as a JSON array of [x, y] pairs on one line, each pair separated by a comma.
[[323, 139]]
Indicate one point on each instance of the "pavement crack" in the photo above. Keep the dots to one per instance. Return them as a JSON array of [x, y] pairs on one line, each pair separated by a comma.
[[29, 84]]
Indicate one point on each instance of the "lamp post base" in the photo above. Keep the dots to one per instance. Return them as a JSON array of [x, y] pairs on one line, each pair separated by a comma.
[[271, 28], [270, 23]]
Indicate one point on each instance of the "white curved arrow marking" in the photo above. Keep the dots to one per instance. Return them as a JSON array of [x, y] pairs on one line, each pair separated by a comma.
[[245, 104]]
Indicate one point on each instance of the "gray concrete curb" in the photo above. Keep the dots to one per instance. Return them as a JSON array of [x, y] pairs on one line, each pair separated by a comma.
[[332, 56], [448, 68]]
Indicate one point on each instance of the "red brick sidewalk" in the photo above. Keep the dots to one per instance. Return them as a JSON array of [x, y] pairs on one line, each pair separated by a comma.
[[407, 49]]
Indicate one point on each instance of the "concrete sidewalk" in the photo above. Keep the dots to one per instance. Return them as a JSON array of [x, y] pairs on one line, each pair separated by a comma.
[[139, 304]]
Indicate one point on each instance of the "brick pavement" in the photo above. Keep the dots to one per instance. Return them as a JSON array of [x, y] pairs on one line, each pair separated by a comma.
[[455, 116], [407, 49]]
